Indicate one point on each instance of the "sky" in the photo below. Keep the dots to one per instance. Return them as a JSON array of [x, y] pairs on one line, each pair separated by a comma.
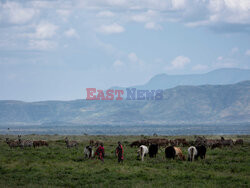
[[54, 50]]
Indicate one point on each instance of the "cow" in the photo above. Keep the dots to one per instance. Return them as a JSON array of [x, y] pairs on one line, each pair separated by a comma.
[[212, 143], [135, 143], [44, 143], [88, 152], [159, 141], [171, 152], [191, 142], [216, 145], [24, 143], [70, 144], [138, 143], [40, 143], [238, 142], [200, 140], [228, 142], [163, 142], [153, 150], [143, 150], [12, 143], [178, 153], [192, 152], [201, 152], [180, 141], [153, 141], [144, 142], [172, 142], [147, 142]]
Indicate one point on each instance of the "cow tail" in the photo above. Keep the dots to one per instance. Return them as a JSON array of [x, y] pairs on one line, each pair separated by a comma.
[[142, 153], [192, 154]]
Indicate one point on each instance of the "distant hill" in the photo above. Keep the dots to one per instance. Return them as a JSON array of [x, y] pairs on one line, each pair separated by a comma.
[[216, 77], [207, 104]]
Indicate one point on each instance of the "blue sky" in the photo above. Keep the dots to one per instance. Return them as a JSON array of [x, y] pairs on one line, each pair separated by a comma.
[[54, 50]]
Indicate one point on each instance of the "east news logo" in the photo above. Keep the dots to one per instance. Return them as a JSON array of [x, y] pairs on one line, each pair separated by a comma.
[[130, 94]]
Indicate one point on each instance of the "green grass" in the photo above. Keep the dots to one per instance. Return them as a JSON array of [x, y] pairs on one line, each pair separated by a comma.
[[57, 166]]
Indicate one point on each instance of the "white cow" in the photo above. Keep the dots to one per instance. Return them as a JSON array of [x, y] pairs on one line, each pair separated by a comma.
[[192, 152], [88, 152], [143, 150]]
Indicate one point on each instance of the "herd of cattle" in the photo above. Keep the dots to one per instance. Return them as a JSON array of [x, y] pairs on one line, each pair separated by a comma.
[[25, 143], [197, 148], [212, 143]]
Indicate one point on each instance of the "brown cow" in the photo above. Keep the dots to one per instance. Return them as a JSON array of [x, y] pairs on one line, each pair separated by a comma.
[[144, 142], [178, 153], [180, 141], [212, 143], [135, 143], [216, 145], [138, 143], [163, 142], [238, 142], [225, 142], [39, 143], [12, 143], [228, 142], [159, 141], [200, 140]]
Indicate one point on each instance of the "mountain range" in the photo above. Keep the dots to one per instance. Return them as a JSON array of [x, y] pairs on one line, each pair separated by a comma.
[[204, 104], [215, 77]]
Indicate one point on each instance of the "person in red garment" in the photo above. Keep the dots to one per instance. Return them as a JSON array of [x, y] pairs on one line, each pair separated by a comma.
[[100, 152], [119, 152]]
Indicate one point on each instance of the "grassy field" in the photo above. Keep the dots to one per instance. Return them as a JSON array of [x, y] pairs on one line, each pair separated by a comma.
[[58, 166]]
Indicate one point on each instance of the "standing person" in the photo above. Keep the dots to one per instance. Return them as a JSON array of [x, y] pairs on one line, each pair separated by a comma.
[[100, 152], [119, 152]]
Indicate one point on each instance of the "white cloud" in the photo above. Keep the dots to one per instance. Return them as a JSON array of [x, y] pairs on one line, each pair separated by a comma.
[[42, 44], [17, 14], [105, 14], [45, 30], [115, 2], [44, 4], [229, 11], [220, 15], [110, 29], [179, 62], [178, 4], [230, 14], [194, 12], [248, 52], [71, 33], [144, 17]]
